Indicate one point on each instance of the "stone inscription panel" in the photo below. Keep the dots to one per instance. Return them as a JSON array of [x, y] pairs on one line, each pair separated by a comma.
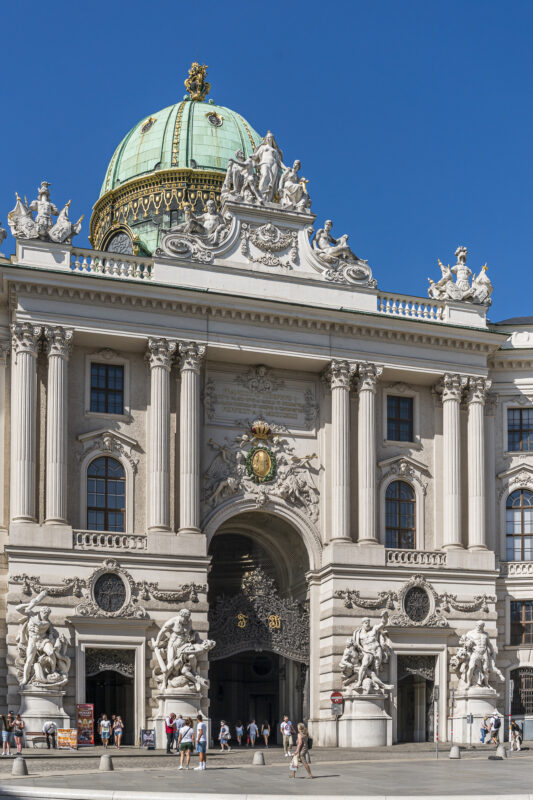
[[231, 398]]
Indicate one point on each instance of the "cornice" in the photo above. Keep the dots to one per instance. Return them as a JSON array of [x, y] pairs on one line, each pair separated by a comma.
[[293, 315]]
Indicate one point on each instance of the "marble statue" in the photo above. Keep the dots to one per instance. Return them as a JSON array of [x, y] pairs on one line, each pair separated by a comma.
[[24, 226], [41, 650], [474, 660], [333, 251], [176, 648], [3, 233], [269, 161], [364, 656], [240, 181], [209, 226], [293, 189], [446, 288]]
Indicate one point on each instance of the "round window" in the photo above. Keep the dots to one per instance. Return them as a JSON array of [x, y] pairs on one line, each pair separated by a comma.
[[416, 604], [109, 592]]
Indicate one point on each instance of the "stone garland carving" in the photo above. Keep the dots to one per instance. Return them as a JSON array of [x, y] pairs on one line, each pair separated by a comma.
[[122, 661], [198, 235], [261, 466], [209, 399], [260, 379], [24, 226], [340, 263], [311, 409], [474, 661], [42, 660], [259, 619], [176, 648], [365, 654], [416, 603], [479, 291], [271, 241]]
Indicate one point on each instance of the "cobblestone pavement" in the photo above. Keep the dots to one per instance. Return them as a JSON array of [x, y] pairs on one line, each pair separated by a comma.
[[388, 772]]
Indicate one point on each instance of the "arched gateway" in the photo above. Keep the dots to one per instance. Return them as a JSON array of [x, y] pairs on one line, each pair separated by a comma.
[[260, 620]]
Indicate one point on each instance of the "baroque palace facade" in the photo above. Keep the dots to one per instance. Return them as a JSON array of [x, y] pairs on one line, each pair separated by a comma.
[[238, 475]]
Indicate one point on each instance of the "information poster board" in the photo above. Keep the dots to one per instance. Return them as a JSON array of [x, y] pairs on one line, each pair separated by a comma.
[[67, 738], [85, 724], [148, 738]]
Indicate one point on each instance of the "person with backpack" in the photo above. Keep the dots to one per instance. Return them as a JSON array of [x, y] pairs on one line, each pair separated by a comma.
[[495, 728]]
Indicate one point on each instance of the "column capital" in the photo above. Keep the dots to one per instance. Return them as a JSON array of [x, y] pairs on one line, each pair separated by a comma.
[[25, 337], [451, 386], [339, 374], [191, 355], [477, 390], [160, 352], [368, 375], [58, 341]]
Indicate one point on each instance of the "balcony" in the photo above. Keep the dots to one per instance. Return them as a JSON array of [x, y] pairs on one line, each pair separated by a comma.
[[415, 558], [105, 540]]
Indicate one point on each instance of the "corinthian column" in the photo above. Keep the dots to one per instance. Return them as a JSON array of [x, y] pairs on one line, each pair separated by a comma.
[[191, 356], [366, 451], [339, 375], [58, 346], [452, 389], [159, 357], [25, 344], [477, 392]]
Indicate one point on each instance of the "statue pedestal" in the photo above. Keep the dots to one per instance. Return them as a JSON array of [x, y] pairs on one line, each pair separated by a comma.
[[479, 701], [188, 704], [37, 705], [365, 723]]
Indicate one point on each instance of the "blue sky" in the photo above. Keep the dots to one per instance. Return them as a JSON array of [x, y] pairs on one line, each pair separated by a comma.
[[413, 119]]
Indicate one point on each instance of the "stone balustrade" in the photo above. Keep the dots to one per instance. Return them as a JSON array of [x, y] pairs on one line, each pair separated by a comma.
[[398, 305], [510, 569], [415, 558], [103, 540], [114, 265]]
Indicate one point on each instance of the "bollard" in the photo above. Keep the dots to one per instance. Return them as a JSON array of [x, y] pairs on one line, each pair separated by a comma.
[[106, 763], [501, 752], [19, 766], [258, 759], [455, 752]]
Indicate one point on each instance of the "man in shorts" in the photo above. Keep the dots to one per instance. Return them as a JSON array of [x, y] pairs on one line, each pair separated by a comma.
[[287, 729], [201, 742]]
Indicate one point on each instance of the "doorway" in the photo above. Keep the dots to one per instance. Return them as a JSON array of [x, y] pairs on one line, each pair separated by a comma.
[[112, 691], [416, 682]]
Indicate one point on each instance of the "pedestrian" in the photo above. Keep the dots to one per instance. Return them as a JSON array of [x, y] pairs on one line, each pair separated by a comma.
[[286, 729], [516, 736], [50, 730], [7, 728], [170, 727], [495, 728], [239, 732], [253, 730], [112, 731], [18, 732], [105, 730], [186, 743], [265, 731], [179, 722], [118, 731], [224, 736], [300, 754], [201, 742], [483, 731]]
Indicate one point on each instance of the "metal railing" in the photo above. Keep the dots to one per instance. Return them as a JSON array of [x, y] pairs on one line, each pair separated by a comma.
[[104, 540]]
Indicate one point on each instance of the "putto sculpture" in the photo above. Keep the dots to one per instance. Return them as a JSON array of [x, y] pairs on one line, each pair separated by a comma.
[[366, 651], [24, 226], [446, 288], [41, 652], [176, 648], [197, 235], [474, 661], [264, 178]]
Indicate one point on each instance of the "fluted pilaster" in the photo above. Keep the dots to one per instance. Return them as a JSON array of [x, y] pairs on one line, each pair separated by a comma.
[[339, 376], [476, 394], [58, 347], [191, 357], [451, 388], [368, 375], [159, 356], [25, 345]]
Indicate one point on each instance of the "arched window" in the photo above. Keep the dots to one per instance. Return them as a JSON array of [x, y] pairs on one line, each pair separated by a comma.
[[519, 525], [400, 507], [106, 505]]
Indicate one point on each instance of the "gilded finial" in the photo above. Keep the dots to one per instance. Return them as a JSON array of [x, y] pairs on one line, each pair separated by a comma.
[[196, 83], [484, 268]]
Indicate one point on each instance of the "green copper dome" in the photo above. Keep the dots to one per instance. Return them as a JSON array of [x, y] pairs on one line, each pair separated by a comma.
[[186, 135]]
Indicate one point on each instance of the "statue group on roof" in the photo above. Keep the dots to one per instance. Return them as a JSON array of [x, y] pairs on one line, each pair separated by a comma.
[[24, 226], [446, 288]]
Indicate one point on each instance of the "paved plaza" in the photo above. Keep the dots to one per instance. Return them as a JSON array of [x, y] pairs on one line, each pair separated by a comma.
[[381, 773]]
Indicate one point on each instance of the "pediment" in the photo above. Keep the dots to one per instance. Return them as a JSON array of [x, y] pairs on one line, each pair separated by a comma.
[[418, 466], [402, 466], [112, 442], [90, 436]]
